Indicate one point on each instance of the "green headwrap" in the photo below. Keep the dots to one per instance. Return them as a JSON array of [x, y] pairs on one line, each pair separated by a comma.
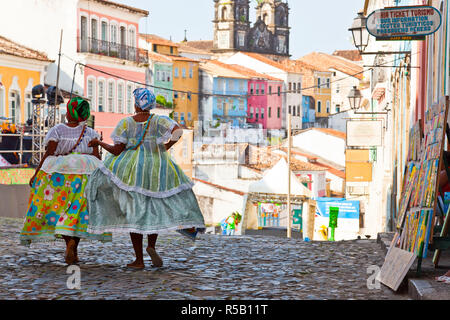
[[79, 109]]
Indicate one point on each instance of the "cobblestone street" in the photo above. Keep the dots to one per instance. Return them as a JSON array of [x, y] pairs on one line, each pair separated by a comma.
[[214, 267]]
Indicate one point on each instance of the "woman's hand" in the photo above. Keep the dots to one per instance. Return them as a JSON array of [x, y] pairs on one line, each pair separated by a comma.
[[94, 143]]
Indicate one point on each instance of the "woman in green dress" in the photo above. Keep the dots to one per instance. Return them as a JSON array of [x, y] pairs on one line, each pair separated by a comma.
[[139, 189], [57, 208]]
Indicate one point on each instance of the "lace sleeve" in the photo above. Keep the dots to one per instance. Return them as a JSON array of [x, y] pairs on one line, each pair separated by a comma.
[[52, 135], [120, 133], [164, 130]]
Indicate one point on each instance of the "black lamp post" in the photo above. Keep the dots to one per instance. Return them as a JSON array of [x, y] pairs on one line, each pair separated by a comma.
[[354, 97]]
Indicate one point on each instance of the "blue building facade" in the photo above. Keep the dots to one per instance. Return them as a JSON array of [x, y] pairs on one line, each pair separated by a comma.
[[230, 101], [308, 111]]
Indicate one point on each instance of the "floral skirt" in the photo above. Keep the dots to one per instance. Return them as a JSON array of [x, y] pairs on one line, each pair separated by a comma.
[[57, 207]]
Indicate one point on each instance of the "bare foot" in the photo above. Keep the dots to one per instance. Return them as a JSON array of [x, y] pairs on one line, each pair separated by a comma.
[[156, 259], [70, 252], [136, 265]]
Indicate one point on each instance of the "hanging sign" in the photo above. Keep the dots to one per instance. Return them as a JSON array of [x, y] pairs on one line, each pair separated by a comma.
[[404, 23]]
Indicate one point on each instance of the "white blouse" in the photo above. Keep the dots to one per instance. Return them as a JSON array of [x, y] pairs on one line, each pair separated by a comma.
[[80, 161]]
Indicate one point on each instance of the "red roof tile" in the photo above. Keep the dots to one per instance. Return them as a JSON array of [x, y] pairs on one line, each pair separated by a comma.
[[153, 38], [281, 66], [14, 49], [327, 61], [352, 55]]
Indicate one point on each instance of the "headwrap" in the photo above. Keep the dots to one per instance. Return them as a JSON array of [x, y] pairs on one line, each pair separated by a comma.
[[144, 98], [79, 109]]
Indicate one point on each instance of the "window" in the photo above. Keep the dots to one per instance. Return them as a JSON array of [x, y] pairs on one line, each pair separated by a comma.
[[319, 106], [290, 109], [295, 87], [278, 112], [293, 111], [270, 112], [257, 88], [328, 106], [290, 86], [241, 104], [171, 50], [104, 31], [318, 83], [183, 72], [189, 116], [251, 112], [113, 33], [132, 36], [155, 48], [242, 85], [241, 38], [337, 87], [168, 75], [111, 96], [270, 89], [14, 107], [279, 90], [175, 116], [120, 98], [298, 111], [262, 89], [28, 106], [299, 87], [2, 99], [90, 92], [328, 83], [181, 116], [231, 85], [101, 96], [262, 113], [176, 72], [257, 114], [129, 98], [191, 72], [338, 108], [251, 88]]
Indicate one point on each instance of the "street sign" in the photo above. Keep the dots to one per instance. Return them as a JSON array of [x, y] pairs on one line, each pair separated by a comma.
[[364, 133], [403, 23]]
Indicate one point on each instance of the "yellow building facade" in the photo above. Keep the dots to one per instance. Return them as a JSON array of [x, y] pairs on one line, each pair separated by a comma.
[[322, 93], [186, 88], [21, 69]]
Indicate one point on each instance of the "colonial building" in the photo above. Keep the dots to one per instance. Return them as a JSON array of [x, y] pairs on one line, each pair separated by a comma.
[[269, 35], [21, 68]]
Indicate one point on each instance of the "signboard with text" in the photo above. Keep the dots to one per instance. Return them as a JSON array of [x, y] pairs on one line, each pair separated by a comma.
[[404, 23]]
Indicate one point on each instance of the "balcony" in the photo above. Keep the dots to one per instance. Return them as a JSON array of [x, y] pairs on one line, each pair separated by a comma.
[[111, 49]]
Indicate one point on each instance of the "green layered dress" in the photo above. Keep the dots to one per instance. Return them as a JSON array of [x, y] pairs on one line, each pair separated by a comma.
[[143, 190]]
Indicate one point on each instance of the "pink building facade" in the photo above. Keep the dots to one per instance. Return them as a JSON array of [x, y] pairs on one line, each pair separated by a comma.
[[264, 103], [107, 39]]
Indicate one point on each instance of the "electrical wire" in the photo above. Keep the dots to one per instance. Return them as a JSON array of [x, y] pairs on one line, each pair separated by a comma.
[[228, 95]]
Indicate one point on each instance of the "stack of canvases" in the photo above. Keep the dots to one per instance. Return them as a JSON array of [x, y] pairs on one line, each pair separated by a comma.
[[416, 226]]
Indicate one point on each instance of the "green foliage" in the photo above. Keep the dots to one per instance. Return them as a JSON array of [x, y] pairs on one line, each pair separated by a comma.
[[160, 100]]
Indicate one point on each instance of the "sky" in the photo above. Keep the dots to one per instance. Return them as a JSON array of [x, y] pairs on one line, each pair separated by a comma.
[[316, 25]]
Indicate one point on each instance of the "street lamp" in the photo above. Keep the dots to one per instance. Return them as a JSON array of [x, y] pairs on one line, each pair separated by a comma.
[[359, 32], [361, 36], [354, 97]]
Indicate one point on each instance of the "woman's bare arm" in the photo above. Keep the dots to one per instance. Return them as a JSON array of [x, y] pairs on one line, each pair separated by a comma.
[[50, 151], [114, 149]]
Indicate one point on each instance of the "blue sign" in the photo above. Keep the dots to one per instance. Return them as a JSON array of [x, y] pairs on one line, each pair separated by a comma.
[[347, 209]]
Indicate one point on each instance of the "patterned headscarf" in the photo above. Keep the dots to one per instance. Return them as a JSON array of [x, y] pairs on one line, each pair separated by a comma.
[[79, 109], [144, 98]]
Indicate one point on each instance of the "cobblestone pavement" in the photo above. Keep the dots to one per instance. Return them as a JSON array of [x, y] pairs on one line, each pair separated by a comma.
[[214, 267]]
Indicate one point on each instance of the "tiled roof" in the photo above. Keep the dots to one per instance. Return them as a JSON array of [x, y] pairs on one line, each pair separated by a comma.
[[338, 134], [158, 57], [327, 61], [204, 45], [123, 6], [14, 49], [220, 69], [352, 55], [252, 73], [184, 47], [226, 146], [281, 66], [263, 159], [153, 38]]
